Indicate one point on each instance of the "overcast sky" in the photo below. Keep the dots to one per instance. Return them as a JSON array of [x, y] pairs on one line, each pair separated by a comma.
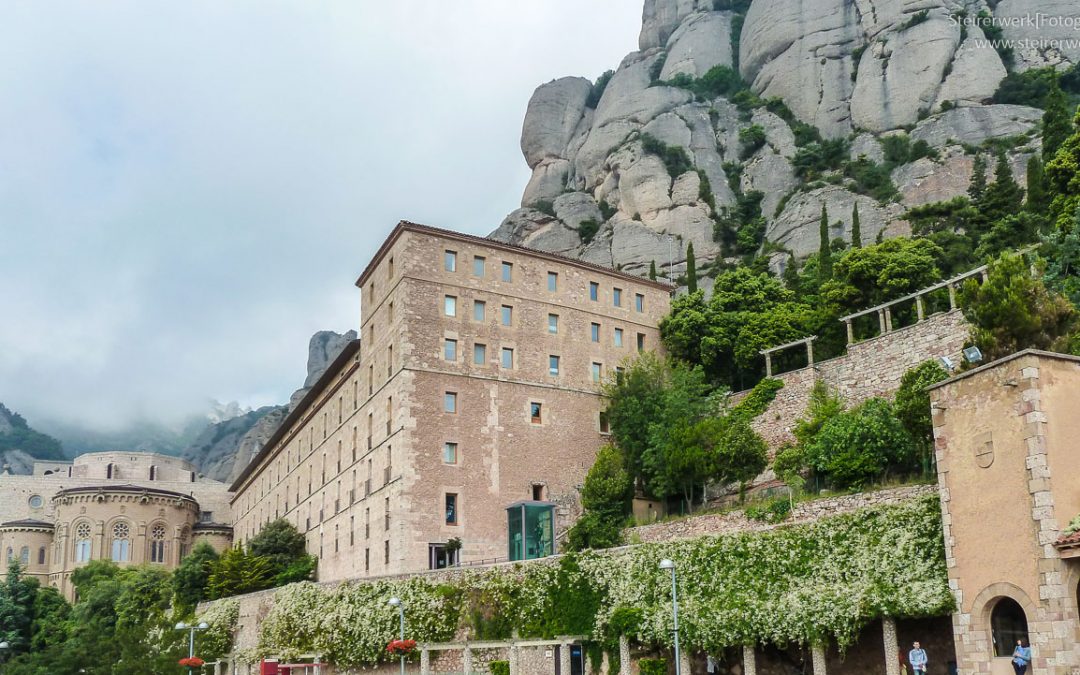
[[189, 189]]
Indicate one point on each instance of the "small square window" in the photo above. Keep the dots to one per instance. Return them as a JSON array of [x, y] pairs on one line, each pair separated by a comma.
[[479, 354], [618, 337], [594, 291], [507, 357], [450, 349], [639, 302], [553, 323], [478, 264], [479, 310], [507, 315], [594, 332], [553, 281], [451, 509], [553, 365], [450, 305], [617, 296], [450, 261], [597, 371], [605, 423], [450, 402], [641, 342], [449, 453], [536, 413], [507, 271]]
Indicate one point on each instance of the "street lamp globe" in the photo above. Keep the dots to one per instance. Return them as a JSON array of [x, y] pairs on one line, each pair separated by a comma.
[[396, 602], [4, 645], [667, 564], [203, 625], [181, 626]]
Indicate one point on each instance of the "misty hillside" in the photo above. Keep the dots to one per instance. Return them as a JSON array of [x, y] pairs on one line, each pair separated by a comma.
[[17, 439]]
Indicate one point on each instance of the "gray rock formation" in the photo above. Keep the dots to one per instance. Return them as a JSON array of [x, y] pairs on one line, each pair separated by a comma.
[[323, 348], [854, 69]]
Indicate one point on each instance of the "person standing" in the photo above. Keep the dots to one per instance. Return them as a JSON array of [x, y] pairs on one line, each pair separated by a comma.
[[917, 658], [1021, 658]]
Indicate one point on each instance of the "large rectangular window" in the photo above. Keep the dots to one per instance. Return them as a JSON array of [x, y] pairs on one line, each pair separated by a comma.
[[451, 509], [507, 315], [553, 365], [479, 354], [641, 342], [449, 453], [553, 323], [478, 264], [479, 310], [594, 332], [450, 402], [450, 305], [553, 281], [507, 271], [616, 295], [639, 302], [618, 337], [536, 413], [450, 349], [594, 291], [597, 371], [507, 357], [450, 261]]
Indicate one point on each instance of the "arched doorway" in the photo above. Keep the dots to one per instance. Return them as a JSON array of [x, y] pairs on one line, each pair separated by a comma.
[[1008, 623]]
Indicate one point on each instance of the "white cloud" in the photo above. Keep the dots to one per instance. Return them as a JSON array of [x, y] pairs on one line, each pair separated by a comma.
[[188, 190]]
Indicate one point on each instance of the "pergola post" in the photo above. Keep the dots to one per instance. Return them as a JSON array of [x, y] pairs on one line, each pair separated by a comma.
[[881, 321], [564, 658], [749, 660], [850, 332], [684, 661], [809, 352], [515, 663], [768, 364], [624, 655], [952, 297], [892, 646], [888, 319], [919, 307], [466, 660], [818, 653]]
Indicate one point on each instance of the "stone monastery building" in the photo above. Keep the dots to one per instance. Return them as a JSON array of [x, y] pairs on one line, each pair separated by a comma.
[[474, 386], [130, 507]]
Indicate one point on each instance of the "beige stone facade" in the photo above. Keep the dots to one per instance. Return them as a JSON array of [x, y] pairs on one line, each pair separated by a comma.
[[1008, 463], [474, 385], [128, 507]]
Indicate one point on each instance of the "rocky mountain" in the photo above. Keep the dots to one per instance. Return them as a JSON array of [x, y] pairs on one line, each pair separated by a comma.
[[737, 120], [223, 449]]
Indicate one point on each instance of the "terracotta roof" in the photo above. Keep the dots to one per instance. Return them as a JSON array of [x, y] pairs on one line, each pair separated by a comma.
[[406, 226], [1068, 540], [296, 413], [27, 522]]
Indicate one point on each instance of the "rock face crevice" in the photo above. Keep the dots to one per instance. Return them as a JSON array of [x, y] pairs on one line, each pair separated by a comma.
[[854, 69]]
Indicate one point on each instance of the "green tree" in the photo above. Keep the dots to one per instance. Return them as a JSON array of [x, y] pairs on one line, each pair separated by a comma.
[[1037, 200], [1056, 127], [1063, 180], [978, 178], [190, 579], [912, 405], [652, 270], [1003, 197], [1013, 310], [633, 404], [17, 608], [868, 276], [51, 612], [237, 572], [691, 269], [856, 228], [279, 542], [606, 497], [856, 447], [824, 250]]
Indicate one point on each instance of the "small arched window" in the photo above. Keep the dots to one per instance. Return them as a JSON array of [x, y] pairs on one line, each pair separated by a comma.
[[185, 540], [157, 543], [153, 472], [1007, 625], [121, 542], [10, 554], [109, 471], [82, 542], [41, 556], [24, 556]]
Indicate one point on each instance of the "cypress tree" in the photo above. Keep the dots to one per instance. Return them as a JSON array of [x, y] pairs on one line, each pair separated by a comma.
[[824, 251], [978, 178], [652, 270], [1037, 201], [856, 229], [1056, 122], [1004, 196], [691, 269]]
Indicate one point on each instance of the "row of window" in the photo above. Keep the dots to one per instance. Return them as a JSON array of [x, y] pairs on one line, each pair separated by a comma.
[[479, 270], [120, 543], [506, 359], [506, 318]]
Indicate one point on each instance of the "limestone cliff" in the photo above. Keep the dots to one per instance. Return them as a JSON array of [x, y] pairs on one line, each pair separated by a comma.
[[859, 71]]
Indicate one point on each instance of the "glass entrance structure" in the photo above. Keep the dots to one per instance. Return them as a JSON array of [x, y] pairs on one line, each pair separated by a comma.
[[530, 530]]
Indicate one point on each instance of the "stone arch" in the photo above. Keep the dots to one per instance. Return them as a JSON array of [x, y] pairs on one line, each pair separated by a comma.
[[987, 599]]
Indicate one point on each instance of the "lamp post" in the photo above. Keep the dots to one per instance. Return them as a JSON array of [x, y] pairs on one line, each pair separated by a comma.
[[4, 647], [668, 564], [191, 640], [396, 602]]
